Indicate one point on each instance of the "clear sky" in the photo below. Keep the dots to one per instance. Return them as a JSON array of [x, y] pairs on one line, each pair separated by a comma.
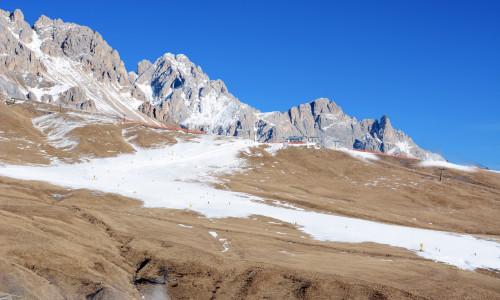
[[433, 67]]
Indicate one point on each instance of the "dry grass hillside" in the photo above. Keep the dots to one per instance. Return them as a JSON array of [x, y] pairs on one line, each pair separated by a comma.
[[60, 243], [391, 190]]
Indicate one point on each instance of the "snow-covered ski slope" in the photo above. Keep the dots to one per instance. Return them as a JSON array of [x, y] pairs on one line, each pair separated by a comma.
[[179, 177]]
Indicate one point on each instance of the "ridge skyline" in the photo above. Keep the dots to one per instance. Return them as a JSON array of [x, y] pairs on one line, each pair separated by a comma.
[[428, 127]]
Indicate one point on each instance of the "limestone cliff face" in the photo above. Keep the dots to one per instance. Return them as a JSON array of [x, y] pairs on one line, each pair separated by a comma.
[[64, 63], [72, 65], [77, 97], [15, 56], [81, 45], [178, 92]]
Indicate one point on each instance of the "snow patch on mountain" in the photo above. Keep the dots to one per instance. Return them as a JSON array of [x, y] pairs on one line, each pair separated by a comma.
[[213, 111], [58, 127]]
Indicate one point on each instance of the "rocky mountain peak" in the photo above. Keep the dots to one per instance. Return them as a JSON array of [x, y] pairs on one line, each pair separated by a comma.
[[63, 63], [66, 63], [42, 22], [143, 66], [324, 105], [382, 131], [17, 16], [385, 122], [181, 93], [82, 45], [15, 33]]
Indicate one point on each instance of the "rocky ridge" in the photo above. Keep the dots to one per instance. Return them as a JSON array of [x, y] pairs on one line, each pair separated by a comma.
[[68, 64], [63, 63], [178, 91]]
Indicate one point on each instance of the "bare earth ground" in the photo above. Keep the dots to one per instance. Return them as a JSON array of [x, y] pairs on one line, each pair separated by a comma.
[[57, 243]]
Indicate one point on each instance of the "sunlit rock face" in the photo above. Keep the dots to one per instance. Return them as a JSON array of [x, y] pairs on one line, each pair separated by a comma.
[[73, 66]]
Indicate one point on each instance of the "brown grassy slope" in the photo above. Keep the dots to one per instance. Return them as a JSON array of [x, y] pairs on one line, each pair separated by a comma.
[[145, 137], [20, 142], [59, 243], [99, 141], [405, 194]]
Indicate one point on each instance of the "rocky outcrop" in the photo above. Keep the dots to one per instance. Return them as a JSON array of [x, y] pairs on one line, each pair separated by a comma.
[[179, 92], [143, 66], [47, 98], [88, 105], [31, 96], [75, 97], [14, 55], [83, 45], [10, 89], [72, 65], [52, 57]]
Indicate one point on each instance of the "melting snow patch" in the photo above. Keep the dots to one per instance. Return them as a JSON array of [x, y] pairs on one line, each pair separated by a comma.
[[213, 233], [274, 223], [273, 148], [187, 226], [225, 243], [57, 126], [287, 205], [364, 156], [404, 147], [447, 165]]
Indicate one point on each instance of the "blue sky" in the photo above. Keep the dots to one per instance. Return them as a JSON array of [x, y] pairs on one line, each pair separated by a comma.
[[433, 67]]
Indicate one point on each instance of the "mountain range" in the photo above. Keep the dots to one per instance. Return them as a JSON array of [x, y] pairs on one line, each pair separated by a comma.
[[71, 65]]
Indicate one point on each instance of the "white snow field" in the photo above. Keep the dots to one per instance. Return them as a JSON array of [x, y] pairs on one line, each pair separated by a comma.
[[179, 177]]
